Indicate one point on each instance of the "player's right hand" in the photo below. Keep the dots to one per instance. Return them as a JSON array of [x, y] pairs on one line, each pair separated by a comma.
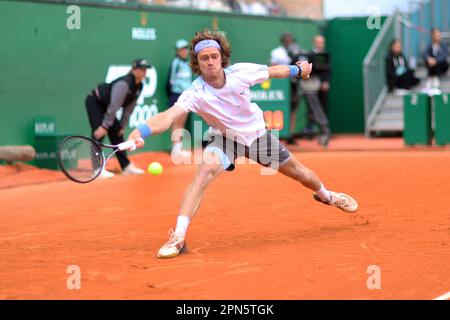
[[135, 135], [100, 132]]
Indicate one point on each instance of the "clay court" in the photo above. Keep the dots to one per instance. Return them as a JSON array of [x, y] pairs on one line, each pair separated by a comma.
[[254, 237]]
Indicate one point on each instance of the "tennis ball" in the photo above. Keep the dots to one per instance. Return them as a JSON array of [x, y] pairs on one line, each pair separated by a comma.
[[265, 85], [155, 168]]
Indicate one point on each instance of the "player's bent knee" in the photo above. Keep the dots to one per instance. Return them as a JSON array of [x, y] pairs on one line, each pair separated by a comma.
[[208, 172], [214, 155]]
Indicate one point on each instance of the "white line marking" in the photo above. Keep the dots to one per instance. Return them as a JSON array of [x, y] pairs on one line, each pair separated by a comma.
[[444, 296]]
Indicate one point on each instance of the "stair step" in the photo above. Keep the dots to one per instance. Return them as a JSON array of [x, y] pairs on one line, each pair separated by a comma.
[[391, 110], [392, 107], [390, 117], [393, 100], [390, 114], [387, 125]]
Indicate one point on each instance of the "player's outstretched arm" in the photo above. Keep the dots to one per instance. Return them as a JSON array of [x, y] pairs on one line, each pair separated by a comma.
[[156, 125], [300, 69]]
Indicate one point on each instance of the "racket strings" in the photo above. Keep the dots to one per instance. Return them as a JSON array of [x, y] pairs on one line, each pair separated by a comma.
[[81, 159]]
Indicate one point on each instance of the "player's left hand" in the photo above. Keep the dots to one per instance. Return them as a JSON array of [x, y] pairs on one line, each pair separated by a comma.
[[306, 68]]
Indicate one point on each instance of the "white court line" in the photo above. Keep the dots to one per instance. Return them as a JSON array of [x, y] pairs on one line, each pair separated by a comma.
[[444, 296]]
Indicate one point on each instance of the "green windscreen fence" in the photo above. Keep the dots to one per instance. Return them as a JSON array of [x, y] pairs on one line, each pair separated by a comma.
[[348, 41], [49, 66]]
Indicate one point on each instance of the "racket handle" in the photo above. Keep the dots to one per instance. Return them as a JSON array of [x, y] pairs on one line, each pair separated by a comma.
[[127, 145]]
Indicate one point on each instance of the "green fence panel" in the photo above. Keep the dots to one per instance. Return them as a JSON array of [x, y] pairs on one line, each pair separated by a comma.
[[442, 119], [48, 67], [417, 119], [46, 151], [348, 41]]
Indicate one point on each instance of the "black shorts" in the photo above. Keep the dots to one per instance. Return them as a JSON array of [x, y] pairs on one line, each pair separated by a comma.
[[173, 98], [266, 150]]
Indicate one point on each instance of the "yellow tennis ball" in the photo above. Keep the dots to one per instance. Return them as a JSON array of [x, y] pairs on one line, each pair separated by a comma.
[[155, 168], [265, 85]]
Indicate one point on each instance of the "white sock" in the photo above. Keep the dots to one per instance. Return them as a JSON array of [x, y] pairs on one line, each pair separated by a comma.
[[324, 194], [182, 225]]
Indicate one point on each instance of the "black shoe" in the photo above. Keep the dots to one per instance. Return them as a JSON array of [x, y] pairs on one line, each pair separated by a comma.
[[306, 133], [290, 141], [324, 139]]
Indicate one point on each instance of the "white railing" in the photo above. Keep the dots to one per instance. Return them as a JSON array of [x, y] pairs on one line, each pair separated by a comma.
[[374, 75]]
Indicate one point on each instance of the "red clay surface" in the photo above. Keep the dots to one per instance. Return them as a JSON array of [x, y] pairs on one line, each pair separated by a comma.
[[360, 143], [254, 237]]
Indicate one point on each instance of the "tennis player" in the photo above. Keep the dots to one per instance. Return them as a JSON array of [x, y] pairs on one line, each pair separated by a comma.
[[221, 96]]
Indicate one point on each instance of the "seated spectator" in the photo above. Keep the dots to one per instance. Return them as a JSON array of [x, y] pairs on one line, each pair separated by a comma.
[[398, 73], [213, 5], [179, 3], [435, 56], [253, 7], [233, 4], [274, 8]]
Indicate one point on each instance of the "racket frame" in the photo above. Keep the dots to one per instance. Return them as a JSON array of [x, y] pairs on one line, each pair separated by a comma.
[[120, 147]]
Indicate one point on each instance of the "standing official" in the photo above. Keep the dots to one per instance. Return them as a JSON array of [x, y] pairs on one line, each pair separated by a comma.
[[102, 104], [180, 78]]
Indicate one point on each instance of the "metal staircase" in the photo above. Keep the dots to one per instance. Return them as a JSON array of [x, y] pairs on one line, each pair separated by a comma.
[[389, 115], [383, 110], [375, 89]]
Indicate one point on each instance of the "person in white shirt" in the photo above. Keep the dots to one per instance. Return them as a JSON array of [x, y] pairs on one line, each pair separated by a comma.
[[221, 96], [285, 54], [253, 7]]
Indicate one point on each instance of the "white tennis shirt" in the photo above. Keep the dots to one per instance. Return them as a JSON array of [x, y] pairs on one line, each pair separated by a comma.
[[228, 110]]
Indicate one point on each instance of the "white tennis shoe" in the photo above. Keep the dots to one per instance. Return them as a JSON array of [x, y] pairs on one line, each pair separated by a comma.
[[173, 247], [340, 200], [131, 170], [105, 174]]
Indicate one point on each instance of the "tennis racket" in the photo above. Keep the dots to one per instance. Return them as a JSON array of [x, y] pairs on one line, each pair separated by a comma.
[[82, 159]]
